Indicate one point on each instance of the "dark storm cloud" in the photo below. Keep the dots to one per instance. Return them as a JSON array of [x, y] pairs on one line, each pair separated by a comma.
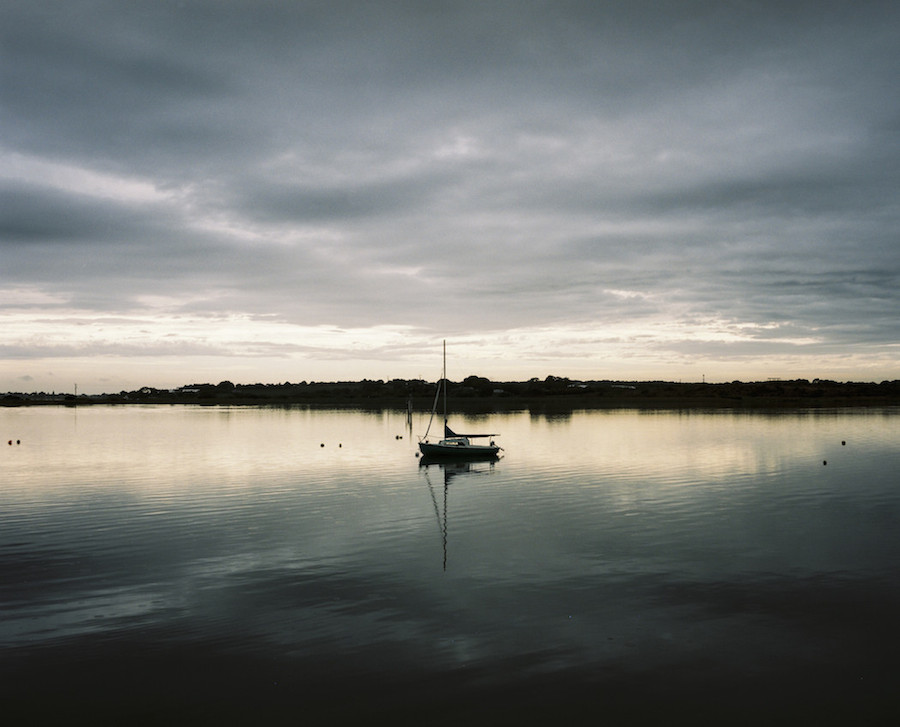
[[550, 163], [31, 214]]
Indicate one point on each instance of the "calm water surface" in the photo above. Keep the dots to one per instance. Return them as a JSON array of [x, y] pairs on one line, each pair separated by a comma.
[[184, 563]]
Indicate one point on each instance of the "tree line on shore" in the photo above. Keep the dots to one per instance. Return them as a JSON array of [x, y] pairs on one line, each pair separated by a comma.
[[479, 392]]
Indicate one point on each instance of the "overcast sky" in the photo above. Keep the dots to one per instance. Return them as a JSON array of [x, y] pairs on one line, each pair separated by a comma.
[[286, 191]]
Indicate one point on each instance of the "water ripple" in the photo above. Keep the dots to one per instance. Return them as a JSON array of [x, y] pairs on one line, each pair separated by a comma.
[[610, 544]]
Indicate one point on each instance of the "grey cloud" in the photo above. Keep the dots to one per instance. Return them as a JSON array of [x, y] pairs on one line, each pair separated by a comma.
[[30, 214], [103, 348], [509, 163], [269, 200]]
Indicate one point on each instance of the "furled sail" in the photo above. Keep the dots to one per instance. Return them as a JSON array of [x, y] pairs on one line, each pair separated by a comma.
[[448, 432]]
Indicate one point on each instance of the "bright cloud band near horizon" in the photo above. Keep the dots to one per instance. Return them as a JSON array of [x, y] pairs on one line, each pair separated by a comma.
[[271, 191]]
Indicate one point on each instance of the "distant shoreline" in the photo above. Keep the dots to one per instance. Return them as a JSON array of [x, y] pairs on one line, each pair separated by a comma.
[[479, 395]]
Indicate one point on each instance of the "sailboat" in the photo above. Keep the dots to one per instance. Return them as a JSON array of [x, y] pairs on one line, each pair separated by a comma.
[[453, 444]]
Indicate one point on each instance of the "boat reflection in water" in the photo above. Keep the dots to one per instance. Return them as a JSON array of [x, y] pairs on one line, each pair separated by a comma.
[[450, 469]]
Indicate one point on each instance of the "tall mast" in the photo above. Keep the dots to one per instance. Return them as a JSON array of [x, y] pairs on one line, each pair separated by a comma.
[[445, 382]]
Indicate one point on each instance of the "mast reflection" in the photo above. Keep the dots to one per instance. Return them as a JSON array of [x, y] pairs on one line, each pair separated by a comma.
[[451, 469]]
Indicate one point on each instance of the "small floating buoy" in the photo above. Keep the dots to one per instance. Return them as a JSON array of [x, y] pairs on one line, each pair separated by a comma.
[[322, 445]]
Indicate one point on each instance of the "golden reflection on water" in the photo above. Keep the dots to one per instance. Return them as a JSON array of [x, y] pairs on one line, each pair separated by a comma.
[[662, 444], [158, 448], [165, 449]]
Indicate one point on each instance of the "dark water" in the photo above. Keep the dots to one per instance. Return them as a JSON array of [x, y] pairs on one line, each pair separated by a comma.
[[205, 565]]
